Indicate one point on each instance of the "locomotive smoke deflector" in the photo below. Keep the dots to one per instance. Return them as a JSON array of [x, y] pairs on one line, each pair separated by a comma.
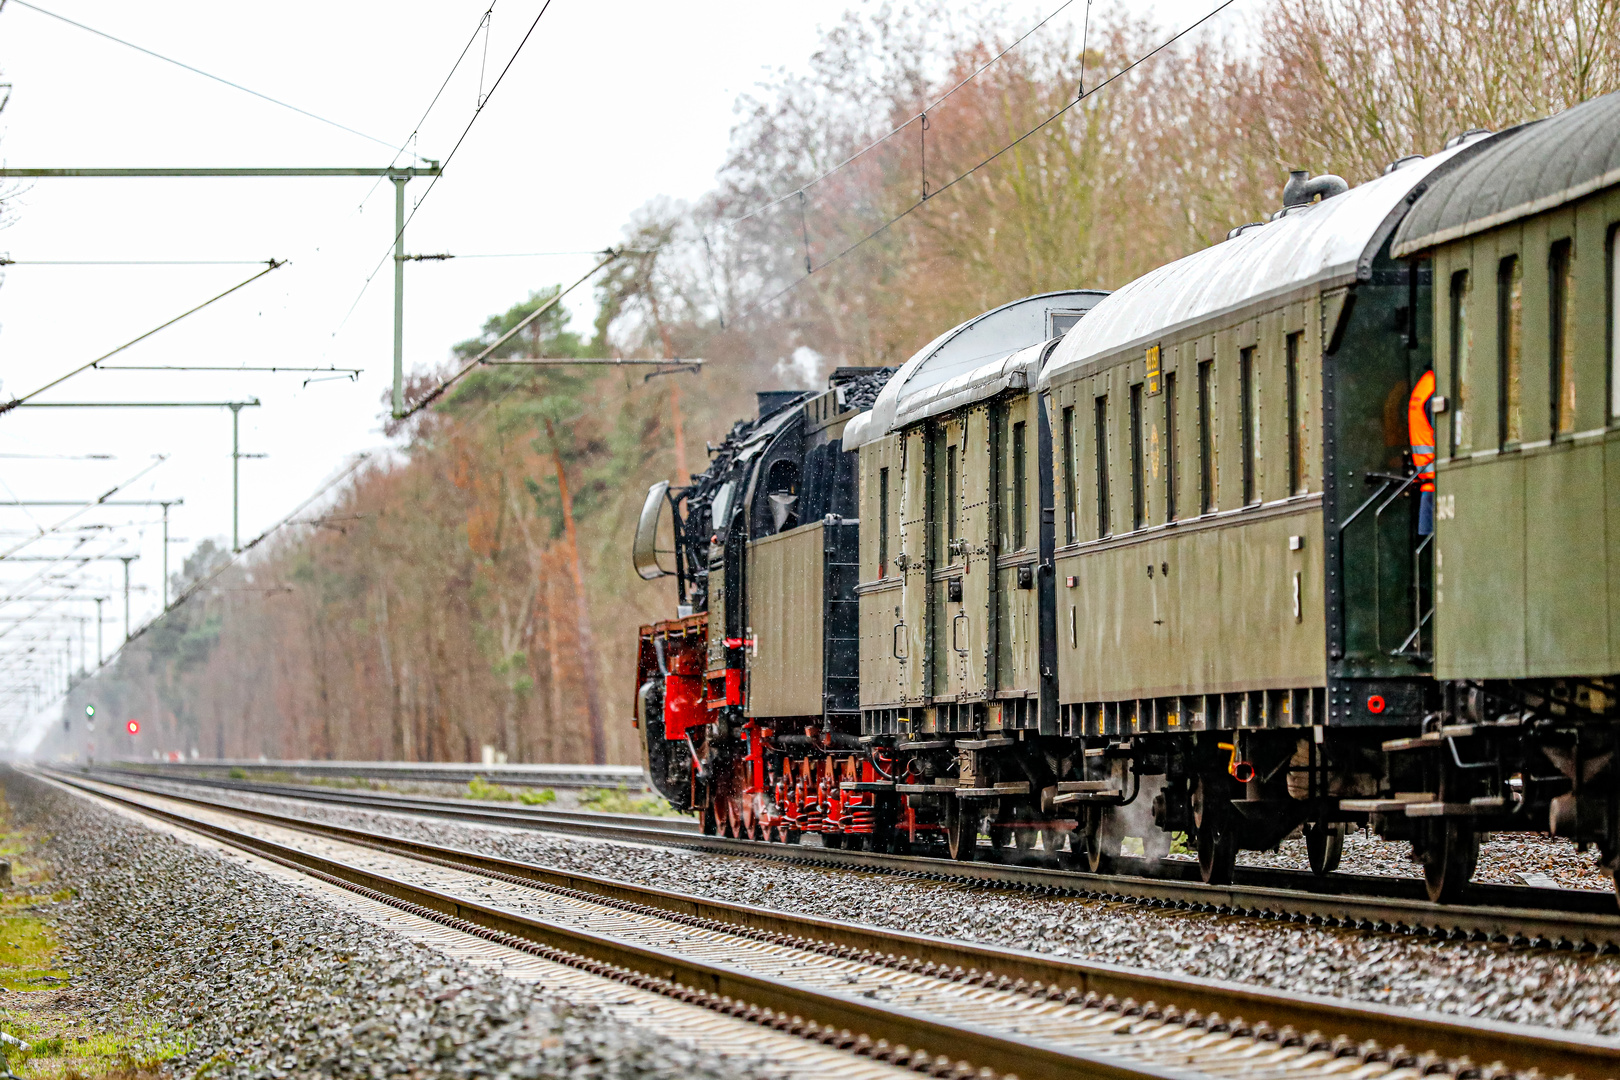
[[644, 555]]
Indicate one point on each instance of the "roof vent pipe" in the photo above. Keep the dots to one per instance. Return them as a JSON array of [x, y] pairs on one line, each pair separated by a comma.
[[1302, 188]]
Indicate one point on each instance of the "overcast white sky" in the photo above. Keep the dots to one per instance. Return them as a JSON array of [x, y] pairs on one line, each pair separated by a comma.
[[607, 107]]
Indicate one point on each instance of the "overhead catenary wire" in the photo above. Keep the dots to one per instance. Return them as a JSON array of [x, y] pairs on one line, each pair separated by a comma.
[[204, 74], [760, 305], [416, 130], [201, 583], [445, 164], [898, 128], [445, 384], [86, 508], [14, 402]]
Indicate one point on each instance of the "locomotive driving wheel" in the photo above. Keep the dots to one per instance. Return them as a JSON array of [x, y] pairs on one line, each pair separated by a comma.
[[961, 829], [706, 820], [1324, 846], [1449, 858], [1217, 839]]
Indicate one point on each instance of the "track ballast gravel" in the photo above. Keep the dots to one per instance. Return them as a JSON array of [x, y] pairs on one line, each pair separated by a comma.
[[1564, 990], [262, 981]]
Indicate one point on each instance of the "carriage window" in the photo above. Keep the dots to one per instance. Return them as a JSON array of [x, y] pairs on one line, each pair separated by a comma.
[[1020, 478], [1138, 481], [1509, 351], [883, 523], [1248, 407], [1298, 481], [1071, 531], [1561, 337], [1102, 465], [1170, 446], [1206, 437], [1462, 349]]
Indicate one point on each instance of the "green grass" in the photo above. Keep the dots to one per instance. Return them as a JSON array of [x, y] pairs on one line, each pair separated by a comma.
[[537, 798], [61, 1044], [479, 788], [28, 948], [619, 801]]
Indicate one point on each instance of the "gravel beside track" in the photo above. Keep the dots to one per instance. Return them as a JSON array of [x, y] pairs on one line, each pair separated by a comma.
[[264, 983], [1563, 990]]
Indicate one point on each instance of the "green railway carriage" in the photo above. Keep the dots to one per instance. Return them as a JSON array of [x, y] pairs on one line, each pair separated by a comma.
[[1520, 241], [1240, 576], [956, 592]]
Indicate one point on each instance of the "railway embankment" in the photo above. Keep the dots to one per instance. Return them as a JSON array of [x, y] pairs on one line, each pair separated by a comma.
[[181, 960]]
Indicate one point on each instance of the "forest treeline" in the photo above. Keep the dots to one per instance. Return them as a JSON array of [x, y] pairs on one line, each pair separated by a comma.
[[474, 590]]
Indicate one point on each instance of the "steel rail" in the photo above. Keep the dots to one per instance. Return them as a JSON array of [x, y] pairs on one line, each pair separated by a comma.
[[1519, 1047], [1020, 1057], [1502, 913], [436, 772]]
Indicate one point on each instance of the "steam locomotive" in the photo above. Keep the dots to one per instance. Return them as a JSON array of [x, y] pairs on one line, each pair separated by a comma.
[[1090, 570]]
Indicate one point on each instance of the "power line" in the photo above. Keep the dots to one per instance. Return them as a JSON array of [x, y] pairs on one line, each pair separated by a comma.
[[437, 94], [811, 269], [14, 402], [921, 114], [204, 74], [445, 384], [477, 112]]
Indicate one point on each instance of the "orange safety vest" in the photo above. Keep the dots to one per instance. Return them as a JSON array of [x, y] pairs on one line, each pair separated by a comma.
[[1420, 429]]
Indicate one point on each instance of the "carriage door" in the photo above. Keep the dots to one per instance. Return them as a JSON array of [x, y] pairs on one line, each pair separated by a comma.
[[1016, 672], [950, 629], [972, 640], [913, 562]]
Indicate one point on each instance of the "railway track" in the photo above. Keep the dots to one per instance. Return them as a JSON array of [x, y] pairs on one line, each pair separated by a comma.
[[552, 776], [1514, 915], [938, 1007]]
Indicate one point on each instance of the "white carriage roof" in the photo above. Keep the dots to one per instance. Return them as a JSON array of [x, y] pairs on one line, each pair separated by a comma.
[[1320, 245], [983, 342]]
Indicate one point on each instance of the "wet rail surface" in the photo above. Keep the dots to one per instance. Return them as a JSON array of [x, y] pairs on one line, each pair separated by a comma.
[[1507, 914], [927, 992]]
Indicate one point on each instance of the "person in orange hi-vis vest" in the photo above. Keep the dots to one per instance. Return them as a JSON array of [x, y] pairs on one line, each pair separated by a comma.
[[1420, 432]]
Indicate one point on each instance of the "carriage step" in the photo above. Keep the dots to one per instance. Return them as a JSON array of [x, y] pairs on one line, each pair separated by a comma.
[[866, 785], [992, 743], [1439, 809], [1018, 787], [1066, 786], [1422, 742], [1111, 795], [1400, 801]]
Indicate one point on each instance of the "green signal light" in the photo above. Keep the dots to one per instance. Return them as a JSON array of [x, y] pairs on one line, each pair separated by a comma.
[[90, 710]]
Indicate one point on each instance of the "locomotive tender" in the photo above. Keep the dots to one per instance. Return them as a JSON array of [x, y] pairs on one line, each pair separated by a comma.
[[1094, 567]]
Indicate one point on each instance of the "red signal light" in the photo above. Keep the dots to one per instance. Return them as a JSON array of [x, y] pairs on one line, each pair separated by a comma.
[[133, 727]]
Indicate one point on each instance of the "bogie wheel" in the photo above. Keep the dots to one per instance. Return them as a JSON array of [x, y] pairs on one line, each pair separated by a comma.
[[1449, 859], [1026, 831], [1099, 840], [1217, 840], [961, 829], [1324, 846]]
